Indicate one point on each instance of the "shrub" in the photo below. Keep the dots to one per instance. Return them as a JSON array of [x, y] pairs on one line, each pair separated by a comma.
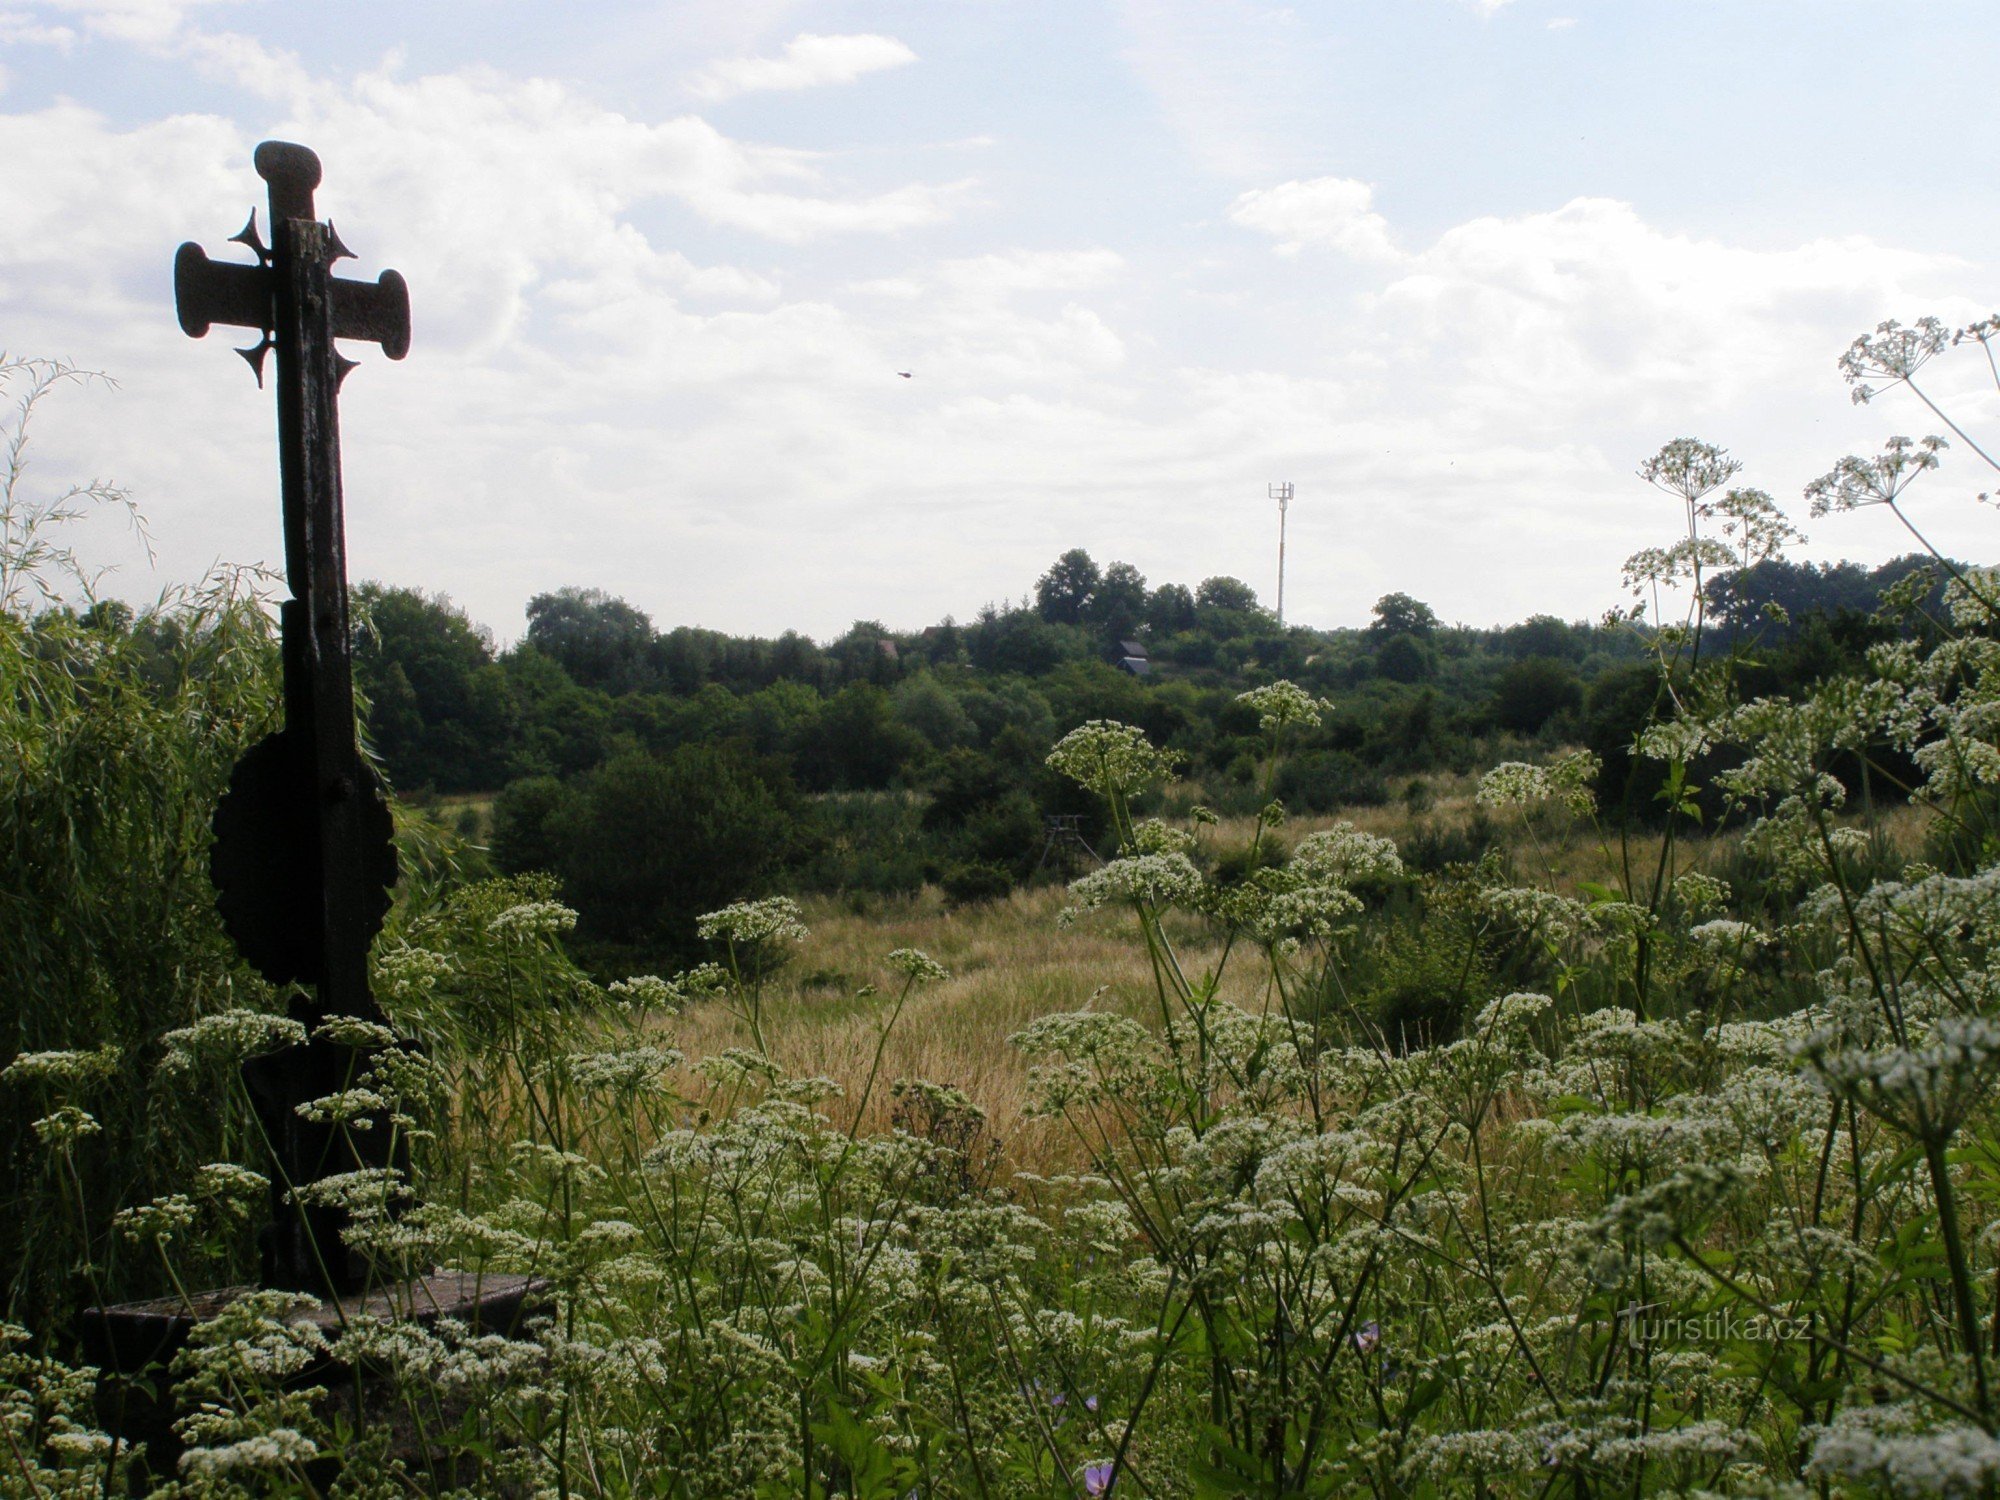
[[975, 884]]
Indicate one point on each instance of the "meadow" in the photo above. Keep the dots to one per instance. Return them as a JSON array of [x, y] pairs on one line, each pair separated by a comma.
[[1501, 1139]]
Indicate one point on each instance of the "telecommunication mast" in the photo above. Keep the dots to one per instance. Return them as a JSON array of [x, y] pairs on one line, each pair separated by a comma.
[[1282, 493]]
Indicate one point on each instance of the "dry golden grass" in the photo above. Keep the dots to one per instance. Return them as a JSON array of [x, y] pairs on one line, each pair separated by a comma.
[[1009, 964]]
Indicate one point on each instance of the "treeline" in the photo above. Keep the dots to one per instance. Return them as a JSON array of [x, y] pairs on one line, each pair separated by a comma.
[[662, 772]]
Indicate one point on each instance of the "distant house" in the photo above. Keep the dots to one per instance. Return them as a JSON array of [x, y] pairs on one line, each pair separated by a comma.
[[1132, 657]]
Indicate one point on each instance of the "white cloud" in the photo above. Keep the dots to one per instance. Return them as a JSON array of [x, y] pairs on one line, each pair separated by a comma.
[[147, 23], [808, 61], [618, 350], [1562, 23], [1592, 309], [1489, 7], [1335, 213]]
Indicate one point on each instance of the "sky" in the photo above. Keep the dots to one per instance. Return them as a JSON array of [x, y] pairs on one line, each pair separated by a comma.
[[1451, 268]]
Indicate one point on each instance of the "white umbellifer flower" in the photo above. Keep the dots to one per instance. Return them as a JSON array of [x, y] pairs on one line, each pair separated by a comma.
[[353, 1108], [65, 1127], [1885, 1446], [1344, 855], [228, 1038], [1512, 782], [626, 1070], [355, 1031], [264, 1451], [918, 966], [1698, 893], [366, 1191], [1568, 780], [224, 1179], [533, 919], [1276, 906], [1723, 935], [1110, 758], [1282, 703], [1855, 482], [1150, 879], [645, 992], [774, 919], [1928, 1089], [1676, 740], [161, 1221], [1511, 1016], [63, 1069], [1527, 906], [410, 973], [1151, 836], [1892, 353]]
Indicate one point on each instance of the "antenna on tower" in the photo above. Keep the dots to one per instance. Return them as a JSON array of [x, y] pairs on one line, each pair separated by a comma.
[[1282, 493]]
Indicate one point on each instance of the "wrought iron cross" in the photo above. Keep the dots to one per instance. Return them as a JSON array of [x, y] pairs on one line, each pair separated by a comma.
[[304, 855]]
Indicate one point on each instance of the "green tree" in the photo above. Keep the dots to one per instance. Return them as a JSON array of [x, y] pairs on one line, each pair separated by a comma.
[[601, 642], [857, 743], [1225, 594], [645, 844], [1063, 594], [1400, 614], [1118, 606], [934, 711], [1403, 658], [526, 826], [441, 713], [1531, 692], [1170, 609]]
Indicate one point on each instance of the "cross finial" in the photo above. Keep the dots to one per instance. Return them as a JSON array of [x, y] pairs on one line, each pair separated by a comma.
[[208, 292]]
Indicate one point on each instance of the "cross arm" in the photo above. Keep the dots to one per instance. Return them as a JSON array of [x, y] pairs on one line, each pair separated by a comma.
[[207, 292]]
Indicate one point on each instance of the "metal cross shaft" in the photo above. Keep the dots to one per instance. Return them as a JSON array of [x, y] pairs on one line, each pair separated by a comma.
[[304, 856]]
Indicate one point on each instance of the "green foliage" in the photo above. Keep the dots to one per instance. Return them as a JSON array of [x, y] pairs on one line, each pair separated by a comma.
[[440, 710], [527, 827], [974, 884], [1064, 594], [1533, 691], [1400, 614], [645, 844], [1402, 658], [1600, 1167], [601, 642]]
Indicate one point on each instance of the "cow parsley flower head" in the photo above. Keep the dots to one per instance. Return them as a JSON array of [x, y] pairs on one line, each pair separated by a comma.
[[1151, 836], [1281, 703], [531, 919], [918, 966], [159, 1222], [1891, 354], [63, 1069], [1568, 779], [1699, 893], [1856, 482], [772, 920], [227, 1038], [646, 993], [1111, 759], [1154, 880], [1344, 855], [1722, 935], [1687, 468], [65, 1127]]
